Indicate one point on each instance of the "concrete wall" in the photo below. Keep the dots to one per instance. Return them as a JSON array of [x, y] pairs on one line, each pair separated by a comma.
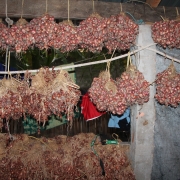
[[142, 128], [166, 162]]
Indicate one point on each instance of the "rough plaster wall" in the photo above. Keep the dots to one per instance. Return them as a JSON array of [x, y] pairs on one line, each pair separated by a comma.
[[166, 163], [142, 128]]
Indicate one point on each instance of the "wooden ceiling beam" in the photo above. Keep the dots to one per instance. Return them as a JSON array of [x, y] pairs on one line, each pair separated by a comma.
[[153, 3], [81, 9]]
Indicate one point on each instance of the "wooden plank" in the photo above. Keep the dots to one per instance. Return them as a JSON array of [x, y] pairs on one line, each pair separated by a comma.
[[81, 9]]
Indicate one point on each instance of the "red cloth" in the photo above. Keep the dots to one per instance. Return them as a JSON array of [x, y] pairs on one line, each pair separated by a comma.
[[88, 109]]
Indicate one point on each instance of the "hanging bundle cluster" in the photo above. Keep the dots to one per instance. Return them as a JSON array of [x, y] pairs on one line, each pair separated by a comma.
[[93, 33], [3, 35], [115, 96], [62, 158], [168, 87], [38, 97], [105, 94], [50, 92], [63, 95], [121, 32], [43, 30], [66, 38], [134, 86], [117, 32], [11, 106], [20, 36], [166, 33]]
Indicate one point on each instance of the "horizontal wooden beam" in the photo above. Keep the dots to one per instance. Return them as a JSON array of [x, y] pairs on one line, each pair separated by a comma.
[[81, 9]]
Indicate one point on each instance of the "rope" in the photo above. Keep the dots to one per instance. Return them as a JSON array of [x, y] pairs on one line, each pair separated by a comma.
[[6, 59], [10, 22], [22, 8], [164, 12], [93, 6], [8, 130], [94, 151], [8, 64], [139, 22], [68, 10], [46, 6], [6, 9], [120, 7], [109, 62], [128, 60], [100, 61], [177, 11]]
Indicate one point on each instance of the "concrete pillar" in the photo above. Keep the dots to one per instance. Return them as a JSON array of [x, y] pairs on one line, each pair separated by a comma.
[[142, 128]]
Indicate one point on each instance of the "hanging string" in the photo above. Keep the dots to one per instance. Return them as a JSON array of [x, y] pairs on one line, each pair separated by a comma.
[[8, 130], [8, 64], [22, 8], [128, 60], [177, 11], [7, 122], [6, 9], [46, 6], [9, 22], [68, 10], [121, 7], [164, 12], [109, 62], [93, 6]]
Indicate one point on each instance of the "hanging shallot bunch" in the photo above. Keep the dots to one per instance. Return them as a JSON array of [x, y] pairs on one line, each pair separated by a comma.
[[67, 38], [93, 33], [10, 99], [134, 86], [63, 95], [38, 97], [166, 33], [105, 94], [20, 36], [121, 32], [168, 87], [43, 30], [4, 35]]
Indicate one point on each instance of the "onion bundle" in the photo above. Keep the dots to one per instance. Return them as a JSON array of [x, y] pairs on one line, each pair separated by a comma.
[[93, 33], [62, 158], [51, 92], [10, 100], [134, 86], [63, 95], [37, 96], [4, 35], [105, 95], [19, 36], [164, 33], [168, 87], [66, 38], [43, 30], [121, 32]]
